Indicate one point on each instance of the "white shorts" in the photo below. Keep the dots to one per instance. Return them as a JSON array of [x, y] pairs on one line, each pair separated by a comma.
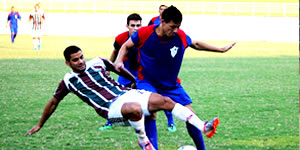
[[36, 33], [139, 96]]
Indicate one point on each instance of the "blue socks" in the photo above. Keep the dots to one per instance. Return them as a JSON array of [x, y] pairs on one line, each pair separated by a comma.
[[196, 135], [169, 117], [151, 132], [12, 37]]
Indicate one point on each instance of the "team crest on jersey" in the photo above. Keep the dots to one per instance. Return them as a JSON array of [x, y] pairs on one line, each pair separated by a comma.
[[174, 51]]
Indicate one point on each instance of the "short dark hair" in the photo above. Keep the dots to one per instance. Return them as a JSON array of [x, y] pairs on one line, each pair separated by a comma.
[[133, 16], [70, 50], [172, 14]]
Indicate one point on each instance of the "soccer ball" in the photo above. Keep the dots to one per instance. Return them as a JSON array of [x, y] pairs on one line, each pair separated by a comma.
[[187, 147]]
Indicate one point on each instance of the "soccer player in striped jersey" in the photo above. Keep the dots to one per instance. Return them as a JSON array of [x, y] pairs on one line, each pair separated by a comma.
[[37, 18], [120, 105], [12, 20], [160, 53], [156, 20]]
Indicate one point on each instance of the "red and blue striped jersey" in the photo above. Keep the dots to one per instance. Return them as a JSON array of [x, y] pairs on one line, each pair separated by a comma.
[[13, 18], [94, 86], [160, 58]]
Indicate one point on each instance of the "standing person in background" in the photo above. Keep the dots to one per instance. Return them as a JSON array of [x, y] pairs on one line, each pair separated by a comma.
[[37, 18], [161, 49], [12, 20], [156, 20], [134, 22]]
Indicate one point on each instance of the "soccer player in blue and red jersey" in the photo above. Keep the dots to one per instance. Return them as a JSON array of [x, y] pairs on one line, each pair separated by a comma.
[[119, 104], [12, 20], [160, 54], [134, 22], [156, 20]]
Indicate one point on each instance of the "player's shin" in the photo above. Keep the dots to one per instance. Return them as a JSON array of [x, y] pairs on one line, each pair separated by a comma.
[[187, 115], [139, 128]]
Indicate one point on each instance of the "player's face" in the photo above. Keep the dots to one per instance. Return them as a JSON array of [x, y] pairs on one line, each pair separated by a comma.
[[133, 26], [77, 62], [161, 10], [36, 8], [13, 9], [170, 28]]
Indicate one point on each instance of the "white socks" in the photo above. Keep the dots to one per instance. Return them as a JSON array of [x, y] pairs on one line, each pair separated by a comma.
[[187, 115], [139, 128], [36, 43]]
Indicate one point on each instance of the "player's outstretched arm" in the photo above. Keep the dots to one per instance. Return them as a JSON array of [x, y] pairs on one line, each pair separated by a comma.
[[202, 46], [48, 110], [122, 52]]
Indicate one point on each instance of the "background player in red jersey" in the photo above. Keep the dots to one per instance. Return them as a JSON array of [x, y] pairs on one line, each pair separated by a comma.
[[121, 105], [134, 22], [156, 20], [161, 50]]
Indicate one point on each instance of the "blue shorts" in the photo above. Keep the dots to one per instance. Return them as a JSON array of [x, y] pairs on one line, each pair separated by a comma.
[[177, 94], [14, 29]]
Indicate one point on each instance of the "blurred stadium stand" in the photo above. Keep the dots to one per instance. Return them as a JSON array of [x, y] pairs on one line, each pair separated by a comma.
[[151, 7]]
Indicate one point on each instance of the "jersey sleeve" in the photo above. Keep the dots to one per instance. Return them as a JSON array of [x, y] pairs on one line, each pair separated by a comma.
[[117, 46], [19, 16], [8, 18], [186, 40], [61, 91], [108, 64], [141, 35], [150, 22], [135, 37]]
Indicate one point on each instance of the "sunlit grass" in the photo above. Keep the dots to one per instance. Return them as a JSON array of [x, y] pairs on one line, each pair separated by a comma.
[[53, 47]]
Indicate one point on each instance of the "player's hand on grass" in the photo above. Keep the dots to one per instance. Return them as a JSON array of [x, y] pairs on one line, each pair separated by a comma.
[[226, 48], [33, 130]]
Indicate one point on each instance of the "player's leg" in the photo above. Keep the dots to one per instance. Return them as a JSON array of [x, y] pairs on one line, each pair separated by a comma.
[[34, 40], [195, 133], [158, 102], [150, 121], [132, 107], [12, 34], [39, 42], [171, 123], [180, 96], [133, 112], [16, 32]]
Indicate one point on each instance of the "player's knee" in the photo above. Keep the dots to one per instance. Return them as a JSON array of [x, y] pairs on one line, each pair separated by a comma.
[[132, 111], [167, 103], [167, 100]]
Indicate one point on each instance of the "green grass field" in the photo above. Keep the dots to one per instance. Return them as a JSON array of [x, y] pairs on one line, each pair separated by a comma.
[[253, 89]]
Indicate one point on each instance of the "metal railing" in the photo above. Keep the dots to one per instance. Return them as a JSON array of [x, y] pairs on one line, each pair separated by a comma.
[[151, 7]]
